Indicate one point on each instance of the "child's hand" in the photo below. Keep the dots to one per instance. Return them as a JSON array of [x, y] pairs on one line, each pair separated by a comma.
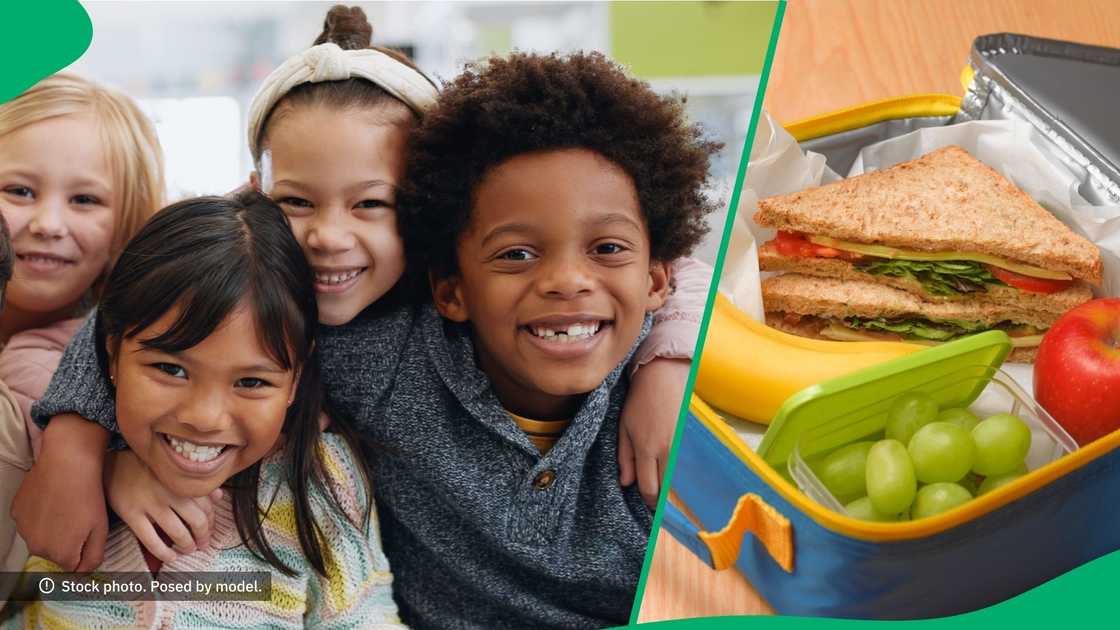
[[144, 504], [649, 420], [60, 507]]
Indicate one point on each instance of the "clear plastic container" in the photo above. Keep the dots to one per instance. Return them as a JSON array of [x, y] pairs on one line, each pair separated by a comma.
[[1049, 440]]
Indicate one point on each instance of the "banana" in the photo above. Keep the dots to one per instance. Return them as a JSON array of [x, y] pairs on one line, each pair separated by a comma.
[[749, 369]]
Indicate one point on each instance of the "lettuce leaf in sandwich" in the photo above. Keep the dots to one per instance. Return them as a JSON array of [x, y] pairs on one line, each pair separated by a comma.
[[947, 278], [945, 330]]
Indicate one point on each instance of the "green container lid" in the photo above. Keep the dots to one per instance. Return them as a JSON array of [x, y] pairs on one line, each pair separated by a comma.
[[854, 406]]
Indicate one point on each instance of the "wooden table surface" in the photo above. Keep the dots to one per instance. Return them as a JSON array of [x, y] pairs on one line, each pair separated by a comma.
[[837, 53]]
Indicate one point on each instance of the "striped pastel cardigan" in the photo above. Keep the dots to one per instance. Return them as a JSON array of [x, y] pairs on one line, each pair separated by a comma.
[[357, 591]]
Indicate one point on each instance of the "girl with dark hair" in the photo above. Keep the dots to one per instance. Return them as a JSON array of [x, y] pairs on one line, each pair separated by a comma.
[[206, 330]]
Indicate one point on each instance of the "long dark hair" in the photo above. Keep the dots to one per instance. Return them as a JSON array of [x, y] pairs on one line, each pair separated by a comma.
[[206, 256]]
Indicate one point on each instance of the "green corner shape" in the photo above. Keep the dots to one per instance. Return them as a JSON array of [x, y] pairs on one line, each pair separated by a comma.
[[1081, 598], [38, 39]]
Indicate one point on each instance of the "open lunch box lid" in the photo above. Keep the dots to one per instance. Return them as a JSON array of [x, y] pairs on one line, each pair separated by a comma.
[[1067, 91], [853, 406]]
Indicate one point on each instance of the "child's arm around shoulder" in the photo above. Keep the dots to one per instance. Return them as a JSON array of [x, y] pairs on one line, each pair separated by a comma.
[[649, 417], [677, 323], [358, 587], [79, 385], [60, 507]]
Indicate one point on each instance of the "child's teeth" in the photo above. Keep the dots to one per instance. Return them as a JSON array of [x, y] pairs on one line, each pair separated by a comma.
[[579, 329], [573, 332], [337, 278], [195, 452], [42, 260]]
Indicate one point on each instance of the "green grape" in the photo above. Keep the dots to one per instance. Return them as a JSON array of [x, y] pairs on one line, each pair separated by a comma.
[[1002, 442], [937, 498], [890, 477], [843, 472], [991, 483], [941, 451], [959, 416], [862, 509], [907, 414]]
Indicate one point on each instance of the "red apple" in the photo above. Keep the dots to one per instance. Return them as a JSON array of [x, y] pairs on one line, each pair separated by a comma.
[[1077, 372]]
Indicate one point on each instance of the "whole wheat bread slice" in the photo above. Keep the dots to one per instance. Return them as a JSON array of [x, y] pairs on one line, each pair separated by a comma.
[[829, 297], [811, 327], [945, 200], [769, 259]]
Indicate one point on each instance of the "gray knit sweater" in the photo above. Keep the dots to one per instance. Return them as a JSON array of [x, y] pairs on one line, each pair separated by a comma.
[[481, 531]]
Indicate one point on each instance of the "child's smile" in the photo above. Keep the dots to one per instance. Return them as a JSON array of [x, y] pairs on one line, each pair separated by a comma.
[[554, 276], [337, 279], [196, 457], [567, 336]]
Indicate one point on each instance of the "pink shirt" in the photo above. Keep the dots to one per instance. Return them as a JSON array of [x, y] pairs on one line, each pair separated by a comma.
[[28, 362]]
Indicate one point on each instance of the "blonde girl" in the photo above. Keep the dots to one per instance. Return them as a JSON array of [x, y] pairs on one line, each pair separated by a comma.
[[81, 171]]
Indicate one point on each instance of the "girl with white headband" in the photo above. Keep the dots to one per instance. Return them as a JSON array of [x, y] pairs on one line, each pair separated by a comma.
[[328, 131]]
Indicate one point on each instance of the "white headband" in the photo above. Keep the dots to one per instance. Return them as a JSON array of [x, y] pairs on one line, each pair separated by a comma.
[[328, 62]]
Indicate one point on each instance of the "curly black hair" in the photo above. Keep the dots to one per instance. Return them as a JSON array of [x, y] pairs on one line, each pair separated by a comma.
[[504, 107]]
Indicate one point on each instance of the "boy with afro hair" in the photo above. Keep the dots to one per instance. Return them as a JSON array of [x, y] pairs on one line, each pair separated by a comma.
[[544, 199]]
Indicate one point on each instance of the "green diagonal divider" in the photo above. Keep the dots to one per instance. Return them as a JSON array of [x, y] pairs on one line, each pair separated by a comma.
[[779, 9]]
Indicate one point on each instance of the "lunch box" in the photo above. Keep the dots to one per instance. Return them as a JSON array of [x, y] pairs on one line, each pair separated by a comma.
[[802, 554]]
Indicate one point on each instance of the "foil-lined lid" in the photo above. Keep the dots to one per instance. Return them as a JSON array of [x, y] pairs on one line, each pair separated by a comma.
[[1069, 92]]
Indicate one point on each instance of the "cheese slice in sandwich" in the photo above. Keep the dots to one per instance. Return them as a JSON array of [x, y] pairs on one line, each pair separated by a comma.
[[853, 310], [945, 227]]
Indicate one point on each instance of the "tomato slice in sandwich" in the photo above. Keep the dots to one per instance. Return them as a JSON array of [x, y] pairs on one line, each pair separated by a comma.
[[795, 245], [1028, 283]]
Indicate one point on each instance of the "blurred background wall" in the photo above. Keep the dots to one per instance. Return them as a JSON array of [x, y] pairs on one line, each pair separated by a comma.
[[194, 66]]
